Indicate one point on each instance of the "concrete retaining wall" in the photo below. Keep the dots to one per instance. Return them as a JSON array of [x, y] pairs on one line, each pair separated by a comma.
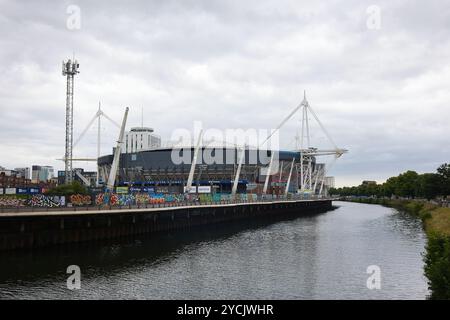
[[32, 230]]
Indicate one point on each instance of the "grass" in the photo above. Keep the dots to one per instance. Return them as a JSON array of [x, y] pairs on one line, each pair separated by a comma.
[[438, 222]]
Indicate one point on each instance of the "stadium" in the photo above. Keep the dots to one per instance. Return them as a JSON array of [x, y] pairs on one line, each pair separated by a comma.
[[166, 170]]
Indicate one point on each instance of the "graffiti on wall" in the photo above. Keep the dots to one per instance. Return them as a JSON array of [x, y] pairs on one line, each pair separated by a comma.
[[12, 201], [40, 200], [80, 200]]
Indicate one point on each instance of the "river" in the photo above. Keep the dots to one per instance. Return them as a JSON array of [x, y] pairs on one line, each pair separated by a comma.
[[321, 256]]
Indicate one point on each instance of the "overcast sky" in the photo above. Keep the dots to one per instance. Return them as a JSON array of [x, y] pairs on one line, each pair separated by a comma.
[[380, 86]]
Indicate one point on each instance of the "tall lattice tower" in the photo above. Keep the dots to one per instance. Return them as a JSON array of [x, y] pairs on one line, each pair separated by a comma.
[[69, 69]]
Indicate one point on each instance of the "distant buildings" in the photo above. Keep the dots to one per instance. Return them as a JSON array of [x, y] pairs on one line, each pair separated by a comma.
[[41, 173], [23, 172], [329, 182], [12, 181], [368, 182], [42, 177], [20, 178], [17, 172], [87, 178]]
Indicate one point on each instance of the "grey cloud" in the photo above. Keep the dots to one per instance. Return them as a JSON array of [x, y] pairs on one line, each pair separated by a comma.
[[232, 64]]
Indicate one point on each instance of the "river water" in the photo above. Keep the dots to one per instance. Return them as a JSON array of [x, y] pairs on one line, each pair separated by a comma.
[[321, 256]]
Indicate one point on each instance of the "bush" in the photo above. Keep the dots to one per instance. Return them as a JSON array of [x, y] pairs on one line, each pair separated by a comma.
[[68, 189], [437, 266]]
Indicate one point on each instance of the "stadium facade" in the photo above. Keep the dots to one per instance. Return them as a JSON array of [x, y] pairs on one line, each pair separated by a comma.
[[166, 170]]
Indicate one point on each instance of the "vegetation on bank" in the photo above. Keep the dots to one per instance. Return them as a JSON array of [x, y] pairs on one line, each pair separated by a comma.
[[68, 189], [409, 184], [436, 221]]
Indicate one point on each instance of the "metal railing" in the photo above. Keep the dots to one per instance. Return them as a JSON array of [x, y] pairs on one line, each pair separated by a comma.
[[186, 203]]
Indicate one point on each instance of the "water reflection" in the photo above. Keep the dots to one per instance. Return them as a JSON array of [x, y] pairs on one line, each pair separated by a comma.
[[314, 256]]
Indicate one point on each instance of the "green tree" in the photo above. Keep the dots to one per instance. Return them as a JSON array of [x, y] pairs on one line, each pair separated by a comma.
[[68, 189], [430, 185], [407, 184], [444, 172]]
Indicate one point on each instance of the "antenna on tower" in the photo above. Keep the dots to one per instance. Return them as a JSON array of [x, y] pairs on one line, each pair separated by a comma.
[[142, 117], [69, 70]]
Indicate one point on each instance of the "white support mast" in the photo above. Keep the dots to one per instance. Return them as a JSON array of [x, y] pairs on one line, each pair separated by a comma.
[[269, 172], [238, 172], [307, 152], [194, 161], [98, 143], [117, 152], [289, 178]]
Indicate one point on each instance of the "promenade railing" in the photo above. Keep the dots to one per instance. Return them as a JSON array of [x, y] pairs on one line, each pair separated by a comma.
[[137, 206]]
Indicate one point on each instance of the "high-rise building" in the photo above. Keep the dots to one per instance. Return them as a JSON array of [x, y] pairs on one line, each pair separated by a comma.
[[141, 139], [41, 173]]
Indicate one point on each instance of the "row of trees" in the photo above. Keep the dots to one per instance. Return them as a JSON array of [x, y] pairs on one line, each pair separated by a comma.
[[408, 184]]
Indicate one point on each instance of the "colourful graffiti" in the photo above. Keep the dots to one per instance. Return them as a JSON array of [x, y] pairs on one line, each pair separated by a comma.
[[142, 198], [126, 199], [43, 201], [12, 201], [80, 200], [99, 199]]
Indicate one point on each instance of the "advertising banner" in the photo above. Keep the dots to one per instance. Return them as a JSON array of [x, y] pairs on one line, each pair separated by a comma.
[[251, 186], [122, 190], [21, 191], [161, 189], [135, 189], [148, 189], [33, 190], [10, 190], [204, 189]]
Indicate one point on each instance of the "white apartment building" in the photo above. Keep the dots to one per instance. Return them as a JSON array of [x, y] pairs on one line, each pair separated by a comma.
[[140, 139]]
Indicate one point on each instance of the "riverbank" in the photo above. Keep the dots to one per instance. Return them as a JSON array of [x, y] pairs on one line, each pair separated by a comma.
[[436, 222], [31, 230]]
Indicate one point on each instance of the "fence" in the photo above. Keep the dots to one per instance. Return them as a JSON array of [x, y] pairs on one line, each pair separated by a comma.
[[106, 201]]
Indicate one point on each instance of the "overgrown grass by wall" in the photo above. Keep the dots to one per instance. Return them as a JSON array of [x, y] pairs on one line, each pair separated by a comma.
[[436, 221]]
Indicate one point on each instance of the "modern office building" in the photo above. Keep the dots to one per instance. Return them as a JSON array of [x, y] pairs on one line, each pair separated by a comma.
[[41, 173]]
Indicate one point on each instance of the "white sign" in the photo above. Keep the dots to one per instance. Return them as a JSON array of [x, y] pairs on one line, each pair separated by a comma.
[[251, 186], [201, 189], [204, 189], [10, 190], [1, 190]]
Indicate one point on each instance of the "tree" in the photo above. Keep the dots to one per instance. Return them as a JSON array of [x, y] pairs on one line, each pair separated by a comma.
[[68, 189], [430, 185], [444, 172], [407, 184]]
